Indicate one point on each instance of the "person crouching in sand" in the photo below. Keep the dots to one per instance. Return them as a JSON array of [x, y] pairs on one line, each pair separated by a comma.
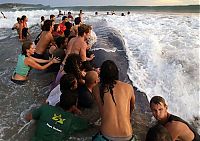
[[26, 62], [116, 97], [178, 128]]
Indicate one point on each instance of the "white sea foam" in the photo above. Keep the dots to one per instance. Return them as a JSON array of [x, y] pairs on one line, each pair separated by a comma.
[[162, 49], [163, 53]]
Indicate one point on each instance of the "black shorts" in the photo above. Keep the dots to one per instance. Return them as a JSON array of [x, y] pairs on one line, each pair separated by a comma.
[[19, 82]]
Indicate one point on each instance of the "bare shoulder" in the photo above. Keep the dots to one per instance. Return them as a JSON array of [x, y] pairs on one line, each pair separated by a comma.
[[28, 60], [176, 125], [125, 85]]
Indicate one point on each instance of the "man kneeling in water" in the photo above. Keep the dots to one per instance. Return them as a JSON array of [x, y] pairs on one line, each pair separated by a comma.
[[116, 101], [178, 128]]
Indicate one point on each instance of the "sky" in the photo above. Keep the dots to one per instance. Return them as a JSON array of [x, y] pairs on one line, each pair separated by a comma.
[[65, 3]]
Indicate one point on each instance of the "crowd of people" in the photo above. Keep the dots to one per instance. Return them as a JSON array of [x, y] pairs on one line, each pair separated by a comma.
[[64, 48]]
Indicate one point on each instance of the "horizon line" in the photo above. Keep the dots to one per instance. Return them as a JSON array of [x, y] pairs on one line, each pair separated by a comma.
[[104, 5]]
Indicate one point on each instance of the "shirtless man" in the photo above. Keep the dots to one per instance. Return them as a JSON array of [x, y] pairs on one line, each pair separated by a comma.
[[16, 25], [46, 39], [78, 44], [178, 128], [116, 101]]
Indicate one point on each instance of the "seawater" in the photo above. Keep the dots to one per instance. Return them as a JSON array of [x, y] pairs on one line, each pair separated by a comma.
[[162, 50]]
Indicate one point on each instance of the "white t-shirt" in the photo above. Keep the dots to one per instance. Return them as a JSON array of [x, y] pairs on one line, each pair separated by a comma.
[[54, 96]]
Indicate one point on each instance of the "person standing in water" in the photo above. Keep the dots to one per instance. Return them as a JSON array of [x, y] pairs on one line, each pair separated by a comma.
[[23, 28], [26, 62], [16, 25]]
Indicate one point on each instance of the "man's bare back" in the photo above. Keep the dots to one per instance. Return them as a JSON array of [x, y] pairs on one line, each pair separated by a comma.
[[45, 39], [79, 46], [115, 119]]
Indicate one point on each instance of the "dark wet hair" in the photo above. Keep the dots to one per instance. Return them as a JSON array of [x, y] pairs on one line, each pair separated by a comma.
[[108, 75], [72, 66], [26, 45], [52, 16], [64, 17], [77, 20], [59, 53], [18, 19], [23, 17], [55, 27], [157, 100], [60, 41], [67, 33], [67, 82], [42, 18], [68, 25], [47, 25], [84, 29], [67, 100], [158, 133]]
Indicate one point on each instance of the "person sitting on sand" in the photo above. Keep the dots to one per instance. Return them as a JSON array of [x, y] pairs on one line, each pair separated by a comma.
[[26, 62], [46, 41], [57, 123], [158, 133], [177, 127], [85, 97], [116, 97], [16, 25]]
